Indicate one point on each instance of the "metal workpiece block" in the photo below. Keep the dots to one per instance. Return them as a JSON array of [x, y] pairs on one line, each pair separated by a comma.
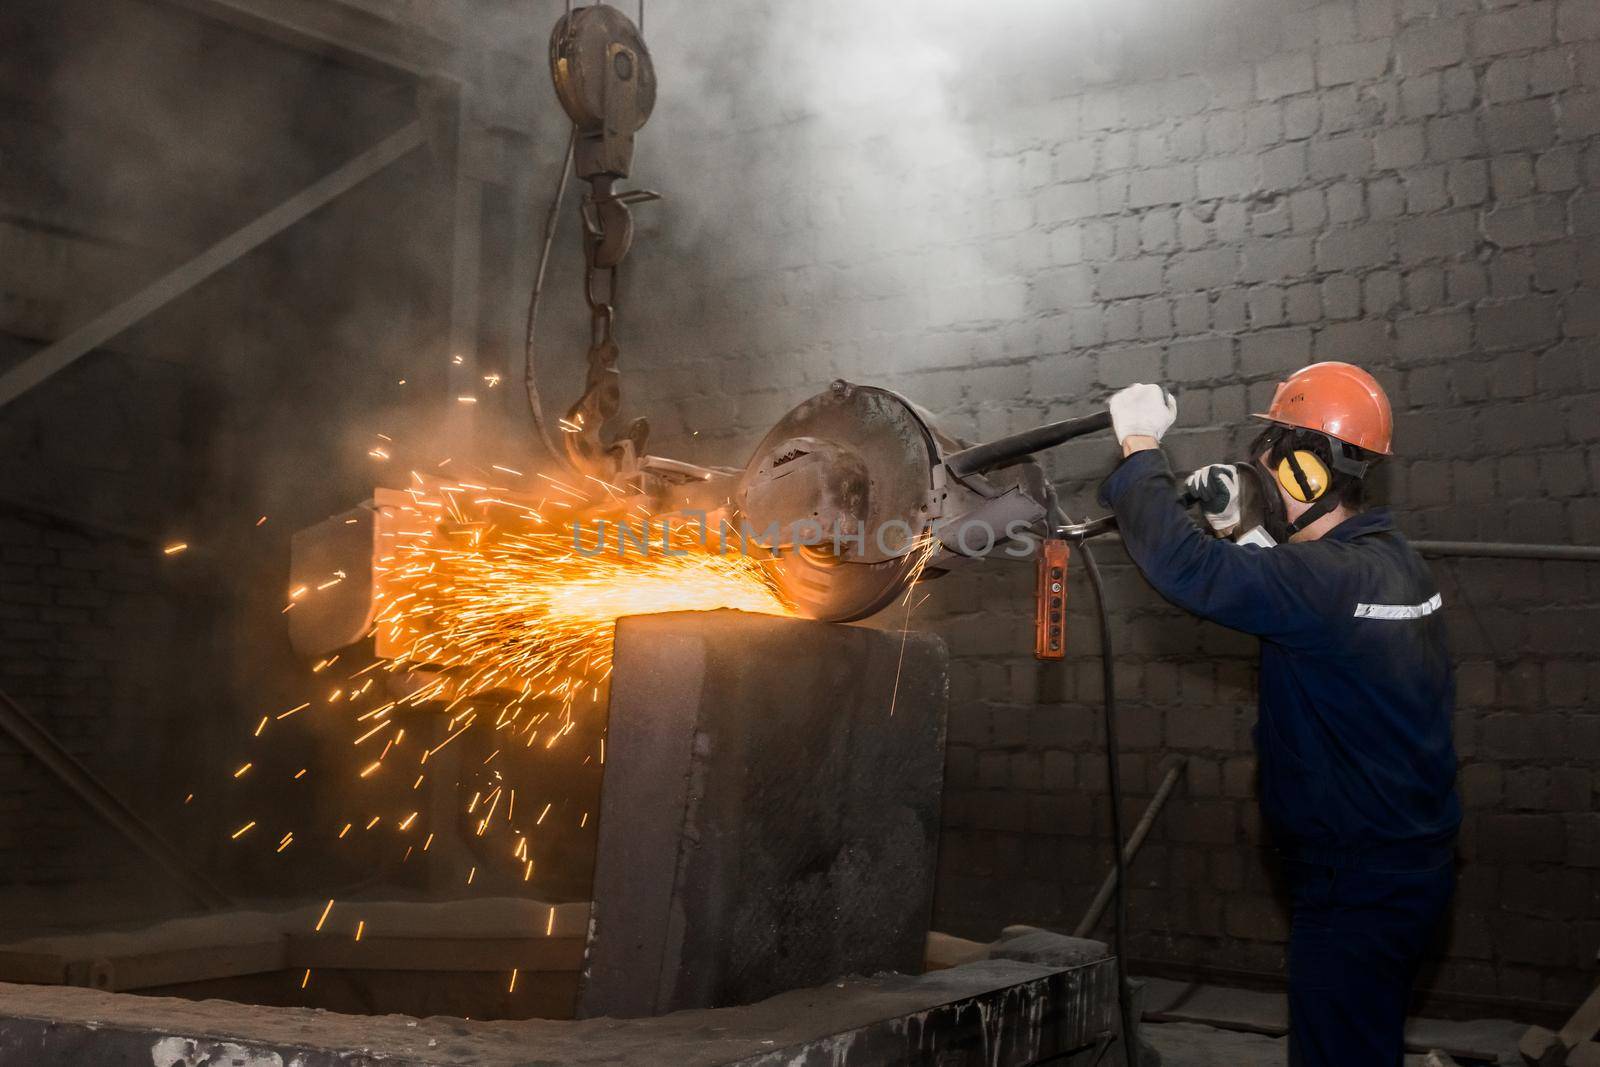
[[769, 815]]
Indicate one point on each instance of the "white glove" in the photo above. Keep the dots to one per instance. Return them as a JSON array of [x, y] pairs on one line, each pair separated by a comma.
[[1216, 488], [1142, 411]]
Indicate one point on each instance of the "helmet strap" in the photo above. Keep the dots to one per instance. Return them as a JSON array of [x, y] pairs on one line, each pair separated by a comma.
[[1326, 503]]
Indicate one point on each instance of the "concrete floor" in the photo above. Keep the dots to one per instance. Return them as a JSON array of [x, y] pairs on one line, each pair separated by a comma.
[[1194, 1045]]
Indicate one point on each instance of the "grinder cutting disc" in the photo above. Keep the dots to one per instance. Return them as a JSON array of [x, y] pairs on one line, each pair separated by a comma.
[[852, 459]]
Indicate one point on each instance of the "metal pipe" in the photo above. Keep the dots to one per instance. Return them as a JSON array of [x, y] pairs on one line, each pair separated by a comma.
[[40, 744], [1091, 918], [1104, 527], [979, 458], [1508, 550]]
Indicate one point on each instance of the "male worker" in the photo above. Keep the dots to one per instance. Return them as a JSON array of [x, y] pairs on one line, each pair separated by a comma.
[[1353, 737]]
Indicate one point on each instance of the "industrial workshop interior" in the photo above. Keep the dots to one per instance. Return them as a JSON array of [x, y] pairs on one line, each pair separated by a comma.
[[815, 532]]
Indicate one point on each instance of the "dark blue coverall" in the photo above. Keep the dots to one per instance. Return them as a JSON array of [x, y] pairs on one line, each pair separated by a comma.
[[1353, 742]]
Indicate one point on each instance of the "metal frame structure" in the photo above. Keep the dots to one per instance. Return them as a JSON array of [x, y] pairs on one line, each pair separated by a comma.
[[362, 33], [46, 362]]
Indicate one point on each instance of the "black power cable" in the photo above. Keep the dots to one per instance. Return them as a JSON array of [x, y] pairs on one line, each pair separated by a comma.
[[1119, 908]]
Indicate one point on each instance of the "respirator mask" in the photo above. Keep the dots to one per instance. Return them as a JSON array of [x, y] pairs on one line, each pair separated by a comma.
[[1311, 467], [1262, 518]]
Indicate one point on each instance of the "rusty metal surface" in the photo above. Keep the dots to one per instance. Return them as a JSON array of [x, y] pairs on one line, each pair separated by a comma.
[[605, 80], [595, 52]]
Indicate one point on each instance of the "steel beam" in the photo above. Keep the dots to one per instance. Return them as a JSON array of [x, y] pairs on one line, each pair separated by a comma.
[[331, 27], [86, 338], [38, 742]]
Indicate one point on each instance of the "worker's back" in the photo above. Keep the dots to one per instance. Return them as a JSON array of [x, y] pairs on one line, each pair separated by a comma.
[[1354, 736]]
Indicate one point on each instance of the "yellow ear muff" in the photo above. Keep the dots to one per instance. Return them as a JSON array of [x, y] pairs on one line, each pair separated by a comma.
[[1317, 478]]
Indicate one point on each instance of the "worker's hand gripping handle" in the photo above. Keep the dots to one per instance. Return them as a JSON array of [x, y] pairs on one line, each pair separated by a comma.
[[1050, 611]]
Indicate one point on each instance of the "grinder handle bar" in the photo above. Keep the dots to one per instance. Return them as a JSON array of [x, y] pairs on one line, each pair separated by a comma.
[[998, 453]]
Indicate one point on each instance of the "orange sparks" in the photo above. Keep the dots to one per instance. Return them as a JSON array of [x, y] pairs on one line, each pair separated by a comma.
[[512, 988], [241, 831], [326, 911], [502, 610], [175, 548], [381, 726], [361, 927], [241, 771], [550, 923], [305, 979], [508, 625]]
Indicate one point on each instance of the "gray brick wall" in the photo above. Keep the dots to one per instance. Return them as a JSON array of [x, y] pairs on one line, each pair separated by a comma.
[[1403, 183], [103, 639]]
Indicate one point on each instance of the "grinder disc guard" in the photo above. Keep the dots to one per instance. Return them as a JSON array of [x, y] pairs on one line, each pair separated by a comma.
[[857, 461]]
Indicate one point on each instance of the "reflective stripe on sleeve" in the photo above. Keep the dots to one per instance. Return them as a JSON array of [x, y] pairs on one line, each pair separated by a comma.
[[1399, 611]]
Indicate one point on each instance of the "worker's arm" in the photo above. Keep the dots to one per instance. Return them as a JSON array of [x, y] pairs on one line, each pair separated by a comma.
[[1273, 592]]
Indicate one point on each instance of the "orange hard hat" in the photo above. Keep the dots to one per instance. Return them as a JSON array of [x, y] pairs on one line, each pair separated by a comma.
[[1338, 399]]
